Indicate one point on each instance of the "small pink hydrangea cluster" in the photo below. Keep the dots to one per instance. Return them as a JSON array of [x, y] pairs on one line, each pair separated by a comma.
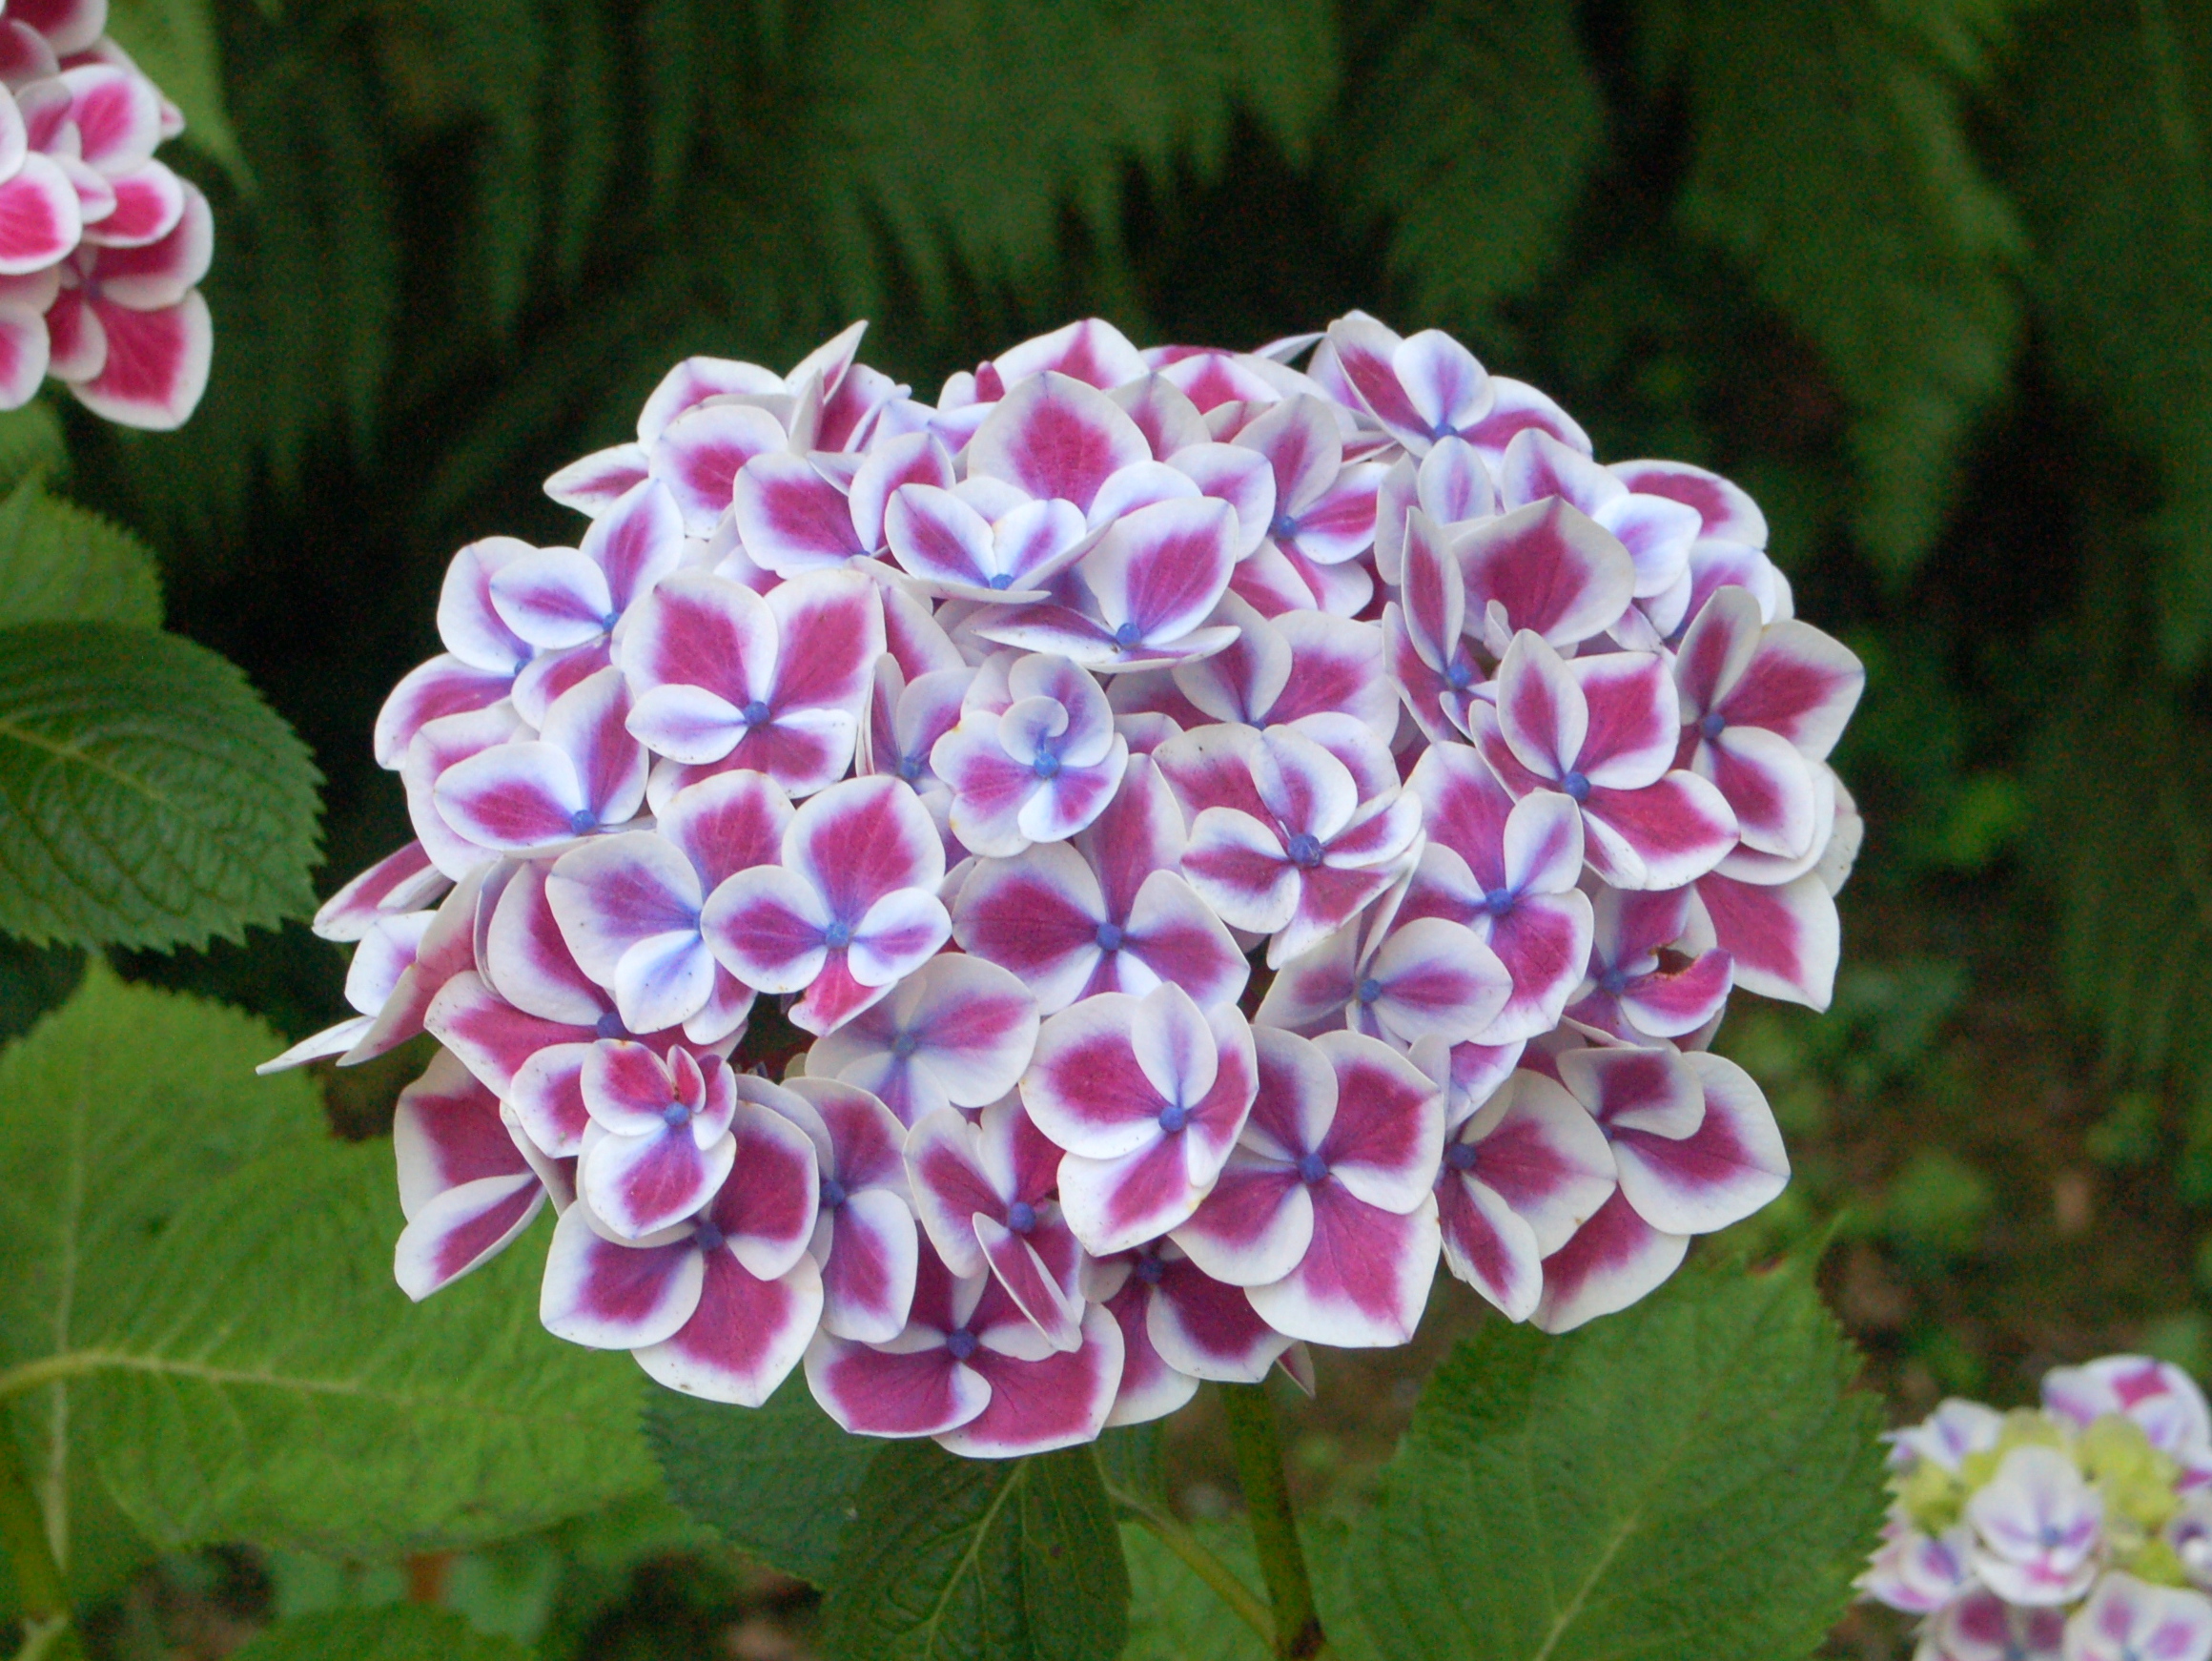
[[101, 246], [2078, 1533], [1228, 836]]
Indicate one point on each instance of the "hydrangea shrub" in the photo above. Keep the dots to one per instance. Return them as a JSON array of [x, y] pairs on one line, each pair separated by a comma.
[[2081, 1529], [1229, 837], [102, 246]]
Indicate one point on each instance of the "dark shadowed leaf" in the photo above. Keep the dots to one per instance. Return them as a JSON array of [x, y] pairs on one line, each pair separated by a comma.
[[777, 1481], [954, 1558]]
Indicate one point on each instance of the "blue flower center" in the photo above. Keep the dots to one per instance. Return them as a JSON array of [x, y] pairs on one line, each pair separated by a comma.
[[1174, 1116], [707, 1237], [1021, 1217], [905, 1045], [832, 1192], [960, 1345], [1047, 764], [1714, 725], [1459, 676], [910, 768], [1004, 579], [754, 712], [1499, 901], [1149, 1270], [609, 1025], [609, 620], [1312, 1168], [1126, 635], [1108, 936], [1369, 989], [1284, 528], [584, 819], [1576, 786], [1305, 850], [837, 936], [1460, 1155], [675, 1114], [1612, 982]]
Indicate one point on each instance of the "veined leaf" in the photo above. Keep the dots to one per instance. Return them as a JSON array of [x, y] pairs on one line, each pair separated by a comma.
[[60, 562], [270, 1382], [175, 41], [955, 1559], [114, 1111], [400, 1632], [777, 1481], [1173, 1615], [1687, 1479], [1831, 156], [1473, 137], [30, 442], [148, 797]]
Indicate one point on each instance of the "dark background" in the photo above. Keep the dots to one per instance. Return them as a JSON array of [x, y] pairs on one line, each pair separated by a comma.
[[1932, 278]]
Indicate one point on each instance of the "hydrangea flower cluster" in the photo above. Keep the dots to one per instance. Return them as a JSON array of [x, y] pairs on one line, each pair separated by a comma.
[[101, 246], [2080, 1531], [1227, 836]]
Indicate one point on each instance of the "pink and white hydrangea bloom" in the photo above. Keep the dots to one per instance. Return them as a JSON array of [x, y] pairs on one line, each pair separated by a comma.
[[1038, 770], [1325, 1213], [1602, 731], [851, 910], [1108, 911], [2074, 1532], [1236, 837]]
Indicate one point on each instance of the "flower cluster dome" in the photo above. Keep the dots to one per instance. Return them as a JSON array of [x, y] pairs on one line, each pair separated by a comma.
[[102, 247], [1024, 904], [2080, 1531]]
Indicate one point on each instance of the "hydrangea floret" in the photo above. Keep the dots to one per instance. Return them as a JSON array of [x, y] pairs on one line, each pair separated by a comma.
[[1011, 908], [102, 247], [2081, 1530]]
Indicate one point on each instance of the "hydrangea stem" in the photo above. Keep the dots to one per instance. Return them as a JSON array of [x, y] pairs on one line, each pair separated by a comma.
[[1297, 1628], [49, 1635]]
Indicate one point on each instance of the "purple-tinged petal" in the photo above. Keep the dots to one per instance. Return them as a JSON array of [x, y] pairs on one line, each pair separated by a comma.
[[607, 1296], [1171, 935], [860, 840], [697, 455], [445, 685], [1546, 567], [1149, 1389], [1238, 866], [1634, 728], [463, 1228], [1614, 1260], [791, 518], [553, 598], [766, 1208], [700, 630], [766, 926], [1770, 785], [1365, 1277], [1727, 512], [1782, 941], [1036, 1406], [867, 1275], [746, 1335], [1084, 1087], [518, 795], [1434, 978], [1163, 413], [1207, 1329], [1542, 714], [546, 1093], [1055, 1308], [639, 1184], [1647, 1091], [1800, 684], [1038, 914], [615, 892], [1386, 1137], [355, 908], [894, 1393], [593, 483], [1160, 570], [1054, 437], [1544, 941], [1663, 836], [523, 955], [1255, 1225], [1728, 1167], [896, 935]]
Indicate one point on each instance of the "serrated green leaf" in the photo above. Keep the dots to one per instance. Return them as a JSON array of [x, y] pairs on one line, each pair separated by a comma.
[[148, 797], [1685, 1480], [269, 1383], [400, 1632], [1473, 137], [60, 562], [777, 1481], [113, 1111], [955, 1559], [1831, 156], [175, 42]]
